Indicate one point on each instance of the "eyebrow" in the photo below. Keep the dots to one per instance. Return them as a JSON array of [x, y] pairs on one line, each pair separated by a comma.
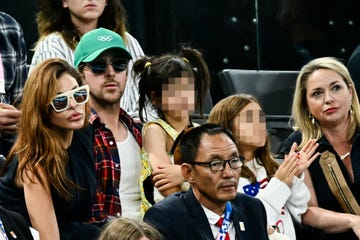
[[68, 90], [335, 82], [331, 84], [217, 156]]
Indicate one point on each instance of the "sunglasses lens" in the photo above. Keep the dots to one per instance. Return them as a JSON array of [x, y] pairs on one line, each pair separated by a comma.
[[81, 96], [98, 67], [120, 65], [60, 103]]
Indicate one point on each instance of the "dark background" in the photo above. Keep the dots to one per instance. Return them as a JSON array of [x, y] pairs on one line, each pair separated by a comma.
[[243, 34]]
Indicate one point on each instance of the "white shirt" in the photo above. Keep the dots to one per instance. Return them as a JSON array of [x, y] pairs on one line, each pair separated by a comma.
[[282, 204], [129, 189]]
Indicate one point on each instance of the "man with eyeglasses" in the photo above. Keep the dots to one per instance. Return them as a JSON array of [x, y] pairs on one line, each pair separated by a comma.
[[102, 59], [212, 208]]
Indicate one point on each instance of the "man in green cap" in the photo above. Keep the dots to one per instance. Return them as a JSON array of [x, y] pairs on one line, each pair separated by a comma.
[[102, 59]]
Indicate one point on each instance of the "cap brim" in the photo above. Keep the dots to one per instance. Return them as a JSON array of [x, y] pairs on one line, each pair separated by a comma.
[[95, 54]]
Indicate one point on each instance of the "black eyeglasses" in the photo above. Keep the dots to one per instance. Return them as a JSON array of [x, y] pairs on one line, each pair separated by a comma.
[[99, 67], [61, 102], [219, 165]]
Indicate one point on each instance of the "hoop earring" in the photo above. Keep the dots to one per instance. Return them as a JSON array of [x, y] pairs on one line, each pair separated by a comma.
[[312, 119]]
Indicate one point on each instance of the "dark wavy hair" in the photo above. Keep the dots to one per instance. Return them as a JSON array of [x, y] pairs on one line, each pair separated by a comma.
[[52, 17]]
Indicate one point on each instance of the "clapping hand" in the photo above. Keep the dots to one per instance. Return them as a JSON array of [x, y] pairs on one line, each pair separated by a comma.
[[296, 162], [306, 155], [287, 168]]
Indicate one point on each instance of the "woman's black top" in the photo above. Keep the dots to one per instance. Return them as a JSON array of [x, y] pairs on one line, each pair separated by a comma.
[[80, 169], [323, 192]]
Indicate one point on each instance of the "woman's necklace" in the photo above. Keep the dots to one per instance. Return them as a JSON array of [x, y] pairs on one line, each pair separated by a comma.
[[342, 157]]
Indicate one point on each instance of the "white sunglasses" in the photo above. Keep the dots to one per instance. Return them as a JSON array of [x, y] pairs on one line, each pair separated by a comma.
[[61, 102]]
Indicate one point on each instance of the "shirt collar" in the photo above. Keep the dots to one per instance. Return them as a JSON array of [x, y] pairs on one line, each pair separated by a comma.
[[211, 216]]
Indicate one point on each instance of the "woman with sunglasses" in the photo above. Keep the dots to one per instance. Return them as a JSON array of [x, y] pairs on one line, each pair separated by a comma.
[[282, 192], [169, 81], [49, 176], [62, 23]]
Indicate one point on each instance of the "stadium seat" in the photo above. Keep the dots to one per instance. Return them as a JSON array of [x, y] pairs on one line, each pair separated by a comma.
[[274, 90]]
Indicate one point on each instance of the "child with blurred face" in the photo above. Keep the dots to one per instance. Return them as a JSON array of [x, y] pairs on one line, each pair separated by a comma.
[[169, 81], [280, 188]]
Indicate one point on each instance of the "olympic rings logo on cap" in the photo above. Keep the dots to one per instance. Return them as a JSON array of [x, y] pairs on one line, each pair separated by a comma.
[[105, 38]]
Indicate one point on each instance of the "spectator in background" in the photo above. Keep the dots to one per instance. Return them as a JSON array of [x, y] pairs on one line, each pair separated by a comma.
[[280, 188], [103, 65], [13, 74], [128, 229], [49, 176], [61, 24], [212, 166], [174, 88], [326, 107], [13, 226]]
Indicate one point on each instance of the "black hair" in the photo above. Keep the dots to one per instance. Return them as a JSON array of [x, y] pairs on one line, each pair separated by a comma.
[[189, 141], [156, 71]]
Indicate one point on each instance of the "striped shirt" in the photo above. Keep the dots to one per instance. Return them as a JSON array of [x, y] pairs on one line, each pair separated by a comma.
[[54, 46]]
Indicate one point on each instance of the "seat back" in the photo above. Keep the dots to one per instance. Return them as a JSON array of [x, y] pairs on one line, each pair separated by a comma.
[[274, 89]]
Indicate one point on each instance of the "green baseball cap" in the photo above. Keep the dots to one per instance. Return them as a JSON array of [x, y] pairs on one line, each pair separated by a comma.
[[93, 43]]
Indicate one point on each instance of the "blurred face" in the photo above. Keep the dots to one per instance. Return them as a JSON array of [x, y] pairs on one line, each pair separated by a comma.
[[106, 77], [213, 189], [83, 11], [73, 117], [328, 97], [249, 126], [178, 97]]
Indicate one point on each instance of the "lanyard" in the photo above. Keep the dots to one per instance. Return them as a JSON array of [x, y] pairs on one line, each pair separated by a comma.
[[225, 225]]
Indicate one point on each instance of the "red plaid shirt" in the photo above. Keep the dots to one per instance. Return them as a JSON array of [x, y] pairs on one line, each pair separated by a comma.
[[107, 202]]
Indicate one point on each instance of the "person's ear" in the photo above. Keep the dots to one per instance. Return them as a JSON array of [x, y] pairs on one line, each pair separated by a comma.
[[187, 172], [351, 89]]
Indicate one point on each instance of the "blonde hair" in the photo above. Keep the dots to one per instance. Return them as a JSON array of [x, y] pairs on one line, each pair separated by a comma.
[[300, 112], [224, 113], [127, 229]]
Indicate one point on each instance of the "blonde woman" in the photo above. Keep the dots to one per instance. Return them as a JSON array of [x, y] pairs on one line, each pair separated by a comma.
[[326, 107]]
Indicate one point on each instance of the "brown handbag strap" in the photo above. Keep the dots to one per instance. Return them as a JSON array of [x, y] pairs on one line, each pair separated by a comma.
[[337, 183]]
